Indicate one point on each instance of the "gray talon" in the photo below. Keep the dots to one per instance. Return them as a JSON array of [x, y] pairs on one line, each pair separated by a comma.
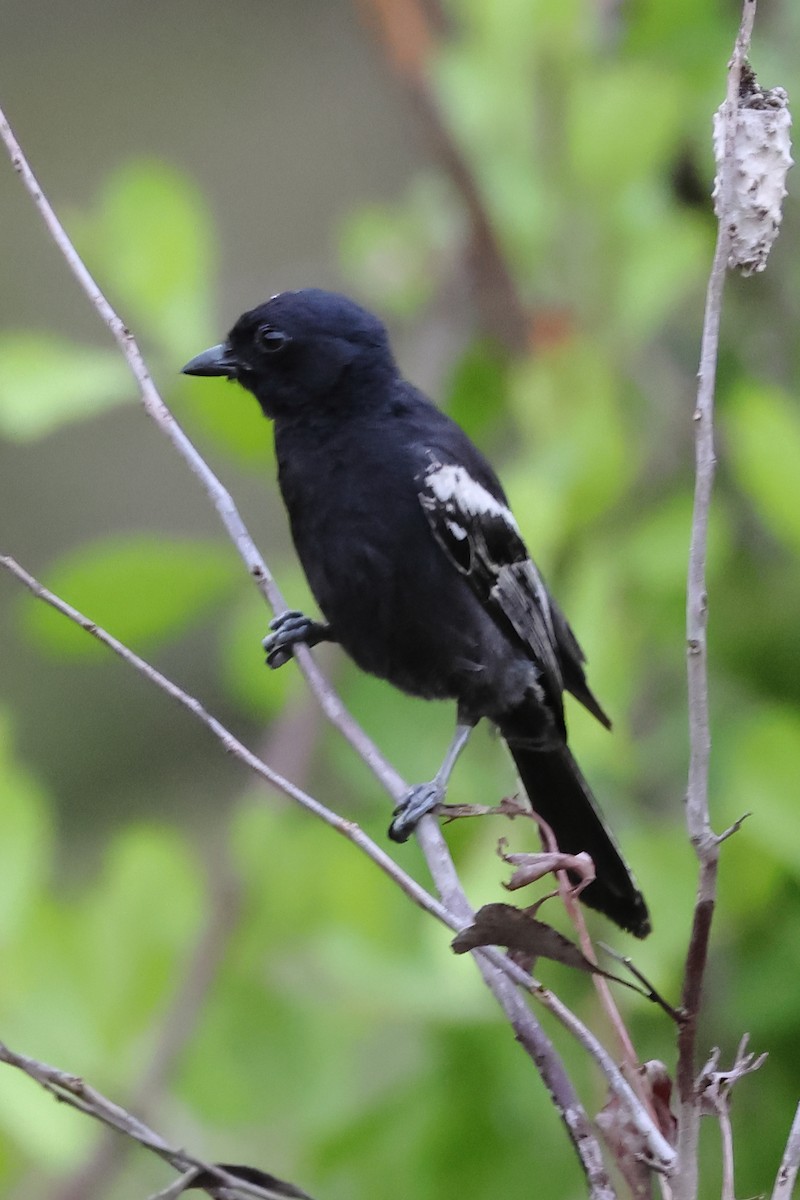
[[290, 629], [413, 807]]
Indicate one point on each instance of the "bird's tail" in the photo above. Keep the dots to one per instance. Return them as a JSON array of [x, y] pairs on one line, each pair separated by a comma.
[[559, 793]]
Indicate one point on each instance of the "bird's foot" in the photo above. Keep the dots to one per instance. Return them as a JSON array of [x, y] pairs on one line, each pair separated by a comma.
[[413, 807], [289, 629]]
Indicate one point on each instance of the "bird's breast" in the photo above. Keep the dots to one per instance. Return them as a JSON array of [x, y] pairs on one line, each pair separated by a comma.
[[359, 529]]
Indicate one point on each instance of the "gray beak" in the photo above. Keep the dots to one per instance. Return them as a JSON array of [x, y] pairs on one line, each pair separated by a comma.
[[217, 360]]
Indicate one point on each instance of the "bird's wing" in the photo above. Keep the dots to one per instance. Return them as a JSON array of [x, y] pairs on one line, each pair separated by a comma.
[[477, 531]]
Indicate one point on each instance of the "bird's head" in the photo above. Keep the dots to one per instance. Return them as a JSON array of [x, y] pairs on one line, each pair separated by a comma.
[[298, 349]]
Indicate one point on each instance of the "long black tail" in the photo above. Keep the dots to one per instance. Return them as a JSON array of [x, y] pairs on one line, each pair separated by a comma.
[[559, 793]]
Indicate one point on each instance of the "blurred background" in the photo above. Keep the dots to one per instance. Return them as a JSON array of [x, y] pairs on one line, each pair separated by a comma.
[[522, 190]]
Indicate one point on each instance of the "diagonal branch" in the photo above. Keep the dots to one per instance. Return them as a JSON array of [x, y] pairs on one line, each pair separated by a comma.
[[73, 1091], [233, 746], [502, 975], [455, 911], [219, 496]]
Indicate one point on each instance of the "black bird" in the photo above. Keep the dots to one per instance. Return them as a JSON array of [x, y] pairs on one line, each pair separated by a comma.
[[416, 561]]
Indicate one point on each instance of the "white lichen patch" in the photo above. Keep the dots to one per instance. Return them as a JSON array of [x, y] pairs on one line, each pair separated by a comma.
[[762, 158]]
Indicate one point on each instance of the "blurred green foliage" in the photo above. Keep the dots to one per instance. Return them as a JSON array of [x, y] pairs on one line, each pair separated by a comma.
[[147, 587], [340, 1044]]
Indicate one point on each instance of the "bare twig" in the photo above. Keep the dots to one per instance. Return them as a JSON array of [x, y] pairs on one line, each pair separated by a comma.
[[726, 1135], [535, 1042], [649, 990], [456, 906], [697, 815], [220, 497], [714, 1086], [73, 1091], [455, 913], [790, 1163], [232, 745], [714, 1093], [601, 985]]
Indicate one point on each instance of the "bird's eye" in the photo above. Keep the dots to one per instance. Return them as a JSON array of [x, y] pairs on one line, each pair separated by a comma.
[[271, 340]]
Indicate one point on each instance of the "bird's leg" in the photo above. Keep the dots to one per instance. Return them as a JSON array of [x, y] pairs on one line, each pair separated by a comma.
[[290, 629], [425, 796]]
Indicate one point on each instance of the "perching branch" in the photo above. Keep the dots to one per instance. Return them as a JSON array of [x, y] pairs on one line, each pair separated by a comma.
[[219, 496], [231, 745], [73, 1091], [455, 911], [705, 843], [434, 847], [501, 973]]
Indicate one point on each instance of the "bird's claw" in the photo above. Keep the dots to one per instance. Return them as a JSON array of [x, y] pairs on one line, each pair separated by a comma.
[[413, 807], [289, 629]]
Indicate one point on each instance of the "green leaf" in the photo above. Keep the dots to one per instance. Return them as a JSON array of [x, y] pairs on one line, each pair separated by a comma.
[[137, 926], [568, 402], [27, 840], [476, 390], [142, 590], [762, 425], [224, 413], [51, 1135], [391, 252], [257, 690], [758, 770], [622, 122], [152, 236], [47, 382]]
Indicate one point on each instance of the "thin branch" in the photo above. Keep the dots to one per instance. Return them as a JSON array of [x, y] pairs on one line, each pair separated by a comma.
[[655, 1150], [790, 1163], [647, 987], [714, 1089], [568, 897], [697, 815], [455, 913], [73, 1091], [232, 745], [726, 1133], [538, 1046], [607, 1001], [219, 495], [431, 841]]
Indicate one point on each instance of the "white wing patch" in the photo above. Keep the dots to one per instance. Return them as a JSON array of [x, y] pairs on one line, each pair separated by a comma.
[[457, 491], [482, 540], [479, 534]]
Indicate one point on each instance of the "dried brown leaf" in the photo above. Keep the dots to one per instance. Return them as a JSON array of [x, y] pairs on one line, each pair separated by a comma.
[[519, 932]]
